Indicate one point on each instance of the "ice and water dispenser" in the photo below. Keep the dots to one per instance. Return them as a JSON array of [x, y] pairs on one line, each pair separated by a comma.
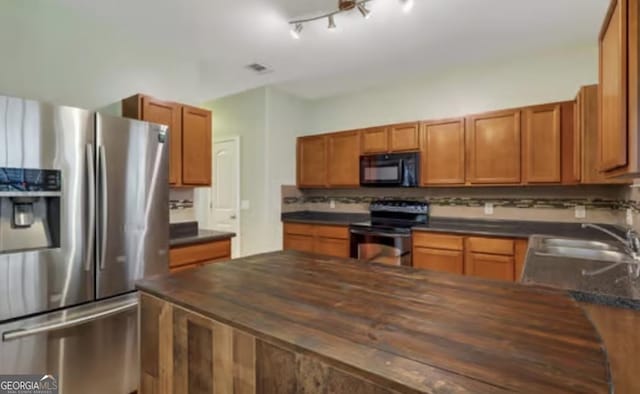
[[29, 209]]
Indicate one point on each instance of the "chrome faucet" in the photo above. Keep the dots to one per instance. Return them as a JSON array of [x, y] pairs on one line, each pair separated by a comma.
[[631, 243]]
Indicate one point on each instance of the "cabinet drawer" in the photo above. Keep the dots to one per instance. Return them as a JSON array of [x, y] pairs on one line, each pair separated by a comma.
[[298, 228], [490, 266], [451, 261], [490, 245], [332, 247], [301, 243], [437, 241], [338, 232], [199, 253]]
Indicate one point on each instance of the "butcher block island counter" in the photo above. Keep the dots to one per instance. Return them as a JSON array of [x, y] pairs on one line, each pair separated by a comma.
[[291, 322]]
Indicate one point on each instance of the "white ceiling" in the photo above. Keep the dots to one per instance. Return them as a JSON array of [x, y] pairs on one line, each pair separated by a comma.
[[90, 53]]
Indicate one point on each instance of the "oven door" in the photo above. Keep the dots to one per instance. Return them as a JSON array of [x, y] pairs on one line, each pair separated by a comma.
[[381, 170], [380, 246]]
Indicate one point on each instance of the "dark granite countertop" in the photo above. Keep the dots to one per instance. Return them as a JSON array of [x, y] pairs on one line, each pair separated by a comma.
[[417, 331], [316, 217], [488, 227], [201, 237]]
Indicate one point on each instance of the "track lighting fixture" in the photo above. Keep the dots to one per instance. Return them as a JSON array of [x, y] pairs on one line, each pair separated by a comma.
[[296, 30], [364, 11], [332, 22], [343, 6], [407, 5]]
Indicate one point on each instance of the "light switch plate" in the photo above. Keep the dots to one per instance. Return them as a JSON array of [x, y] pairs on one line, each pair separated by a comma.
[[244, 205], [581, 212], [629, 217], [488, 208]]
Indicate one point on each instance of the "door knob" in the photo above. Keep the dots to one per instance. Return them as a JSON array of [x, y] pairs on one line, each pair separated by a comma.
[[232, 217]]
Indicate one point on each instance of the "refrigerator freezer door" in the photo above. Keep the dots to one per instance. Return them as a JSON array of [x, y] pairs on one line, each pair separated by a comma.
[[91, 348], [35, 135], [132, 203]]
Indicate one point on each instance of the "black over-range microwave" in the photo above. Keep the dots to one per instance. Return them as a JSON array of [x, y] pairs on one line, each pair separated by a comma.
[[394, 169]]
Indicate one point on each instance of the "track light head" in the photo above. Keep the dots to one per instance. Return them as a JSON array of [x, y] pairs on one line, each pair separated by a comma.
[[296, 30], [366, 14], [407, 5], [332, 22]]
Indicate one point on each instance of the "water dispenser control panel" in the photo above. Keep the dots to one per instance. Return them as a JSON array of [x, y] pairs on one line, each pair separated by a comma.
[[29, 180]]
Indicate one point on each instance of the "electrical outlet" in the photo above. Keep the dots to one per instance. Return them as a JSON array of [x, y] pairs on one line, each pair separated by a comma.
[[332, 204], [581, 212], [488, 208], [629, 217]]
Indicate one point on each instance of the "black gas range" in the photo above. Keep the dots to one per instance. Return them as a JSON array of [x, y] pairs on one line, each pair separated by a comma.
[[387, 237]]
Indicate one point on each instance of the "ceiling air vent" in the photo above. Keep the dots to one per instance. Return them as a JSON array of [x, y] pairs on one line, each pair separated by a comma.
[[259, 68]]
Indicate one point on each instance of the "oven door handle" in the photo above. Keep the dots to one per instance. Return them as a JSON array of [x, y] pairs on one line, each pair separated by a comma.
[[380, 234]]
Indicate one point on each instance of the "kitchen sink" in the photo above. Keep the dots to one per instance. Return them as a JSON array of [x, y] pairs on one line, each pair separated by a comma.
[[607, 256], [600, 267], [578, 243]]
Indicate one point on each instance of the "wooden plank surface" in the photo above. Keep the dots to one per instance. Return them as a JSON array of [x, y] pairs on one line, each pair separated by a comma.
[[403, 329]]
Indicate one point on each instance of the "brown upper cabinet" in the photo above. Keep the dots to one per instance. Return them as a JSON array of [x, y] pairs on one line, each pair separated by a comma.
[[343, 165], [493, 148], [196, 146], [403, 137], [442, 154], [542, 144], [618, 90], [586, 121], [312, 161], [190, 136]]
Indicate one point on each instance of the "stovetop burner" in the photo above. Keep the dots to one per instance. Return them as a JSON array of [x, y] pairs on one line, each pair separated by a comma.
[[396, 216]]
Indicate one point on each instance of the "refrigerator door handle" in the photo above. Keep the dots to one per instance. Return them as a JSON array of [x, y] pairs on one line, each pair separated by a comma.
[[104, 205], [91, 174], [63, 323]]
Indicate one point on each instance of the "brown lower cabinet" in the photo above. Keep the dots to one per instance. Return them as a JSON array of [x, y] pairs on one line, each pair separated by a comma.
[[190, 256], [485, 257], [322, 239]]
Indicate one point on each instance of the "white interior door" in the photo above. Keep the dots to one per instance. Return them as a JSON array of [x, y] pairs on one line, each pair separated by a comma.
[[225, 190]]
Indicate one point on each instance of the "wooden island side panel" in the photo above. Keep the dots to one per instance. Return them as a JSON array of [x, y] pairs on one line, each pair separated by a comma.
[[184, 352]]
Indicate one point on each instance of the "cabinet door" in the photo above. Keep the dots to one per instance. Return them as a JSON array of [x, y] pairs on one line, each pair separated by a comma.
[[613, 88], [312, 161], [375, 140], [542, 144], [196, 146], [404, 137], [344, 159], [451, 261], [332, 247], [490, 266], [443, 161], [166, 113], [493, 145], [301, 243], [520, 257]]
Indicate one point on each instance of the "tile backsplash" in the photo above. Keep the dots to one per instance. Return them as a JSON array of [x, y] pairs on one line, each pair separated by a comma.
[[607, 204]]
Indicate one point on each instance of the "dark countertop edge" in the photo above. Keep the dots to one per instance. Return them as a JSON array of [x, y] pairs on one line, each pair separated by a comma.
[[490, 233], [605, 300], [203, 236]]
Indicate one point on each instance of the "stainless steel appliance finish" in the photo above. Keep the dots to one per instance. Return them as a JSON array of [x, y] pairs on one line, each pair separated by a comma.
[[91, 348], [397, 169], [68, 307], [41, 136], [132, 203], [387, 237]]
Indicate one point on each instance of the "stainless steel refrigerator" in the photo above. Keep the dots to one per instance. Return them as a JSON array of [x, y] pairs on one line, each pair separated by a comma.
[[83, 215]]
